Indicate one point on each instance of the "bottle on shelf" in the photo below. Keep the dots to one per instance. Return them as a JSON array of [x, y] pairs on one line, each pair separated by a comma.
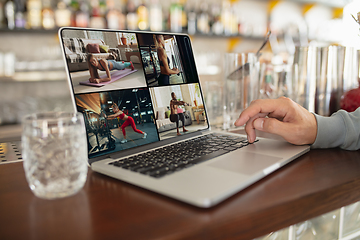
[[34, 17], [48, 15], [131, 15], [62, 15], [176, 16], [82, 15], [166, 19], [97, 19], [191, 17], [183, 16], [143, 16], [73, 6], [114, 17], [155, 16], [103, 7], [2, 18], [20, 14], [216, 27], [203, 19], [228, 19], [234, 22], [9, 14]]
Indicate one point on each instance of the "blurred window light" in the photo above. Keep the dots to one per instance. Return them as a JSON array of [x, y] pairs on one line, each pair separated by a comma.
[[351, 27]]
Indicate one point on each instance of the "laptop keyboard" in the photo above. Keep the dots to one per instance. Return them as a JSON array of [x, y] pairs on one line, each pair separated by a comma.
[[166, 160]]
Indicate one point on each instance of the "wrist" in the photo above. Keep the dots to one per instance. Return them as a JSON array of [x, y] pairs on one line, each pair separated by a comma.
[[313, 130]]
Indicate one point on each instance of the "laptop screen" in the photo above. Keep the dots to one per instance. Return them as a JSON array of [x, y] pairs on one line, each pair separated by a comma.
[[134, 88]]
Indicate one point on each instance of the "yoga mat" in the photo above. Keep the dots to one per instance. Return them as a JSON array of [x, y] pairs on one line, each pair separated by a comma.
[[115, 75]]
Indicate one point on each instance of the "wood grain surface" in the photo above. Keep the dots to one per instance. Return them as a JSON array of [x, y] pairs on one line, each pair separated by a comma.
[[318, 182]]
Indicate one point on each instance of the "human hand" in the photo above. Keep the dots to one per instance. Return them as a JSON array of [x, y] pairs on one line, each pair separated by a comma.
[[176, 70], [280, 116], [94, 80]]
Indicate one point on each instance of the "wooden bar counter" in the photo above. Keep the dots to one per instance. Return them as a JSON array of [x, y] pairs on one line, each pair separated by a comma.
[[316, 183]]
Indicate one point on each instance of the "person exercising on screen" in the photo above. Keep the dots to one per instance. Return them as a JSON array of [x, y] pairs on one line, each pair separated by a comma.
[[175, 115], [164, 61], [127, 121], [104, 65]]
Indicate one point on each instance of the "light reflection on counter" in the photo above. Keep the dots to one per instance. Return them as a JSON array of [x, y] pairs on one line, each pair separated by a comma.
[[341, 224]]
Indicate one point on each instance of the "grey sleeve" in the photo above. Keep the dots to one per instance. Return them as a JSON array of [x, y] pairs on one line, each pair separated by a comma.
[[342, 129]]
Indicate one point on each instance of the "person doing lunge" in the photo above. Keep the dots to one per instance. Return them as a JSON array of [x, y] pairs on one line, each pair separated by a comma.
[[175, 116], [128, 121], [104, 65]]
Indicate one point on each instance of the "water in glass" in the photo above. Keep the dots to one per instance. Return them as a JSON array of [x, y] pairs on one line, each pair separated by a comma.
[[55, 154]]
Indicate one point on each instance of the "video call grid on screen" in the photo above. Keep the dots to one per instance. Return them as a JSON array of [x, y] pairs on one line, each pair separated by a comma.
[[132, 108]]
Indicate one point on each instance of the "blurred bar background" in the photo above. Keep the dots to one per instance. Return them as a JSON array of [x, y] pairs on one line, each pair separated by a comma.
[[311, 56]]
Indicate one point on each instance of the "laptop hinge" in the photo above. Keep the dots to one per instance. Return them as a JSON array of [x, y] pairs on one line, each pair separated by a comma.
[[147, 147]]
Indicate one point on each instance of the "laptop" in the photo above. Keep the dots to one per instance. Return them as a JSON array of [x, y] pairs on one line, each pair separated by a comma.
[[146, 119]]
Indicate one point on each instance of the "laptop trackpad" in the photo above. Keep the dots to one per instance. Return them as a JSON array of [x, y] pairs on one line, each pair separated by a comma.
[[245, 162]]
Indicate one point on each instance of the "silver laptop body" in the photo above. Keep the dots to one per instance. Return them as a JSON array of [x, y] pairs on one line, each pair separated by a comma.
[[144, 97]]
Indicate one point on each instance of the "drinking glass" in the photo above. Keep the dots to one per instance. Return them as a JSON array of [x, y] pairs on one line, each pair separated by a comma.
[[213, 95], [305, 74], [351, 219], [54, 153], [325, 226], [241, 84], [275, 80]]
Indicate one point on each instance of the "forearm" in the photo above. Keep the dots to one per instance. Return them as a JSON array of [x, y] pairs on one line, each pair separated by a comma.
[[179, 102], [168, 71], [342, 130], [108, 75], [112, 116], [171, 71]]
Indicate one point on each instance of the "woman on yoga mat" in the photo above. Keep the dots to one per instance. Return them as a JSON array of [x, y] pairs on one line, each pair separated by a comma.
[[128, 121], [165, 71], [104, 65], [175, 114]]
